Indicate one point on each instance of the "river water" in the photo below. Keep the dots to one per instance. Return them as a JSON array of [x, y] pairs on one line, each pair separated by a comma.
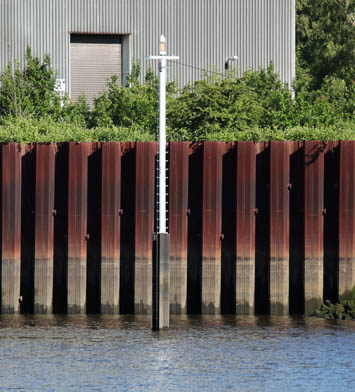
[[105, 353]]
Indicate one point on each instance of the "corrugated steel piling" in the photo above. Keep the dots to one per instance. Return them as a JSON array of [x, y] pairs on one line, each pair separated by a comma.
[[44, 228], [245, 233], [313, 229], [110, 227], [211, 227], [194, 229], [297, 228], [78, 218], [77, 226], [144, 226], [11, 227], [331, 221], [28, 207], [279, 227], [347, 220], [178, 217]]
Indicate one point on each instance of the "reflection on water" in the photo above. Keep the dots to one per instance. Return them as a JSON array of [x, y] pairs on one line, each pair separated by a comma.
[[71, 353]]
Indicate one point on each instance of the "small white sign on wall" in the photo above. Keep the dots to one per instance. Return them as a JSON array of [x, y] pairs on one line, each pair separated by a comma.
[[60, 89]]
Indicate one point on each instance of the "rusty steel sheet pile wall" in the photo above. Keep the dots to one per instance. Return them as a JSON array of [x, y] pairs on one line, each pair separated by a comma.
[[111, 212], [178, 221], [265, 228], [245, 178], [313, 225], [44, 228], [347, 220], [144, 225], [11, 228]]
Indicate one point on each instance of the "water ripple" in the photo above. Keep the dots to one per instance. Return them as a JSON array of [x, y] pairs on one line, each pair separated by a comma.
[[104, 353]]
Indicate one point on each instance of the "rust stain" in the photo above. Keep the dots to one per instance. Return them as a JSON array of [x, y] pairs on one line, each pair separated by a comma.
[[279, 226], [211, 226], [347, 219], [77, 203], [44, 217], [11, 201], [144, 224], [178, 218], [111, 201], [245, 227], [313, 223]]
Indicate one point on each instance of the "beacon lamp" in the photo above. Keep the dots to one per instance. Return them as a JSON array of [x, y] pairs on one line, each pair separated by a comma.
[[228, 59]]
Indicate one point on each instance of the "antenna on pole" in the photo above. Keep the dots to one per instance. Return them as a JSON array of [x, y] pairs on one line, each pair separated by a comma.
[[161, 240]]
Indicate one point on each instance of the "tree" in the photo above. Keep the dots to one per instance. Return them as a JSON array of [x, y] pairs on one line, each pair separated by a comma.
[[29, 91], [325, 33]]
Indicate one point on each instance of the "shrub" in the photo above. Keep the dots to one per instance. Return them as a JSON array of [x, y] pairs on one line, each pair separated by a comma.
[[29, 91], [256, 106], [29, 130], [134, 105]]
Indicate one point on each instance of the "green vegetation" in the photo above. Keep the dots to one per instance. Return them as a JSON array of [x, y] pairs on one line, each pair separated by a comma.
[[345, 310], [256, 106], [326, 39], [29, 130]]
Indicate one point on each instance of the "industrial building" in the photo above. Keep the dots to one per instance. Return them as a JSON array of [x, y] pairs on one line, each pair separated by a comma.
[[89, 40]]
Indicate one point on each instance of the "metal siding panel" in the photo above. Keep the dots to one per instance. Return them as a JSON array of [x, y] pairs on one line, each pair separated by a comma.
[[202, 33]]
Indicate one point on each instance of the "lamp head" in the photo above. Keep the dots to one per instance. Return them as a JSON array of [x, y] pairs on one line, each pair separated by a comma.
[[162, 46], [228, 59]]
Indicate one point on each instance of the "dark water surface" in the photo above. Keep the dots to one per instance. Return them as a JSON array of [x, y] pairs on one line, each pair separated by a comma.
[[104, 353]]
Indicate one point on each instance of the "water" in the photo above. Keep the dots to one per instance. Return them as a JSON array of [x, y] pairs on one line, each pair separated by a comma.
[[104, 353]]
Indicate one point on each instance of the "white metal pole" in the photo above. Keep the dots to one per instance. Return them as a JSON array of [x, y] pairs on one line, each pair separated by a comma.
[[161, 260], [162, 129], [162, 137]]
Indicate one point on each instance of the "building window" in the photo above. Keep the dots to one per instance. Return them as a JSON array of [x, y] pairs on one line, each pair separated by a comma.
[[94, 58]]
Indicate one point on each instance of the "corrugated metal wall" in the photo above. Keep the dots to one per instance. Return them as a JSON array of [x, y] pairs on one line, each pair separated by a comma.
[[255, 227], [202, 32]]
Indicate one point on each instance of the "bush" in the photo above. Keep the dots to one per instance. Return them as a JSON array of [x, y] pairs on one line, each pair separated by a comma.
[[256, 106], [213, 104], [24, 130], [29, 92], [135, 105], [47, 130]]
